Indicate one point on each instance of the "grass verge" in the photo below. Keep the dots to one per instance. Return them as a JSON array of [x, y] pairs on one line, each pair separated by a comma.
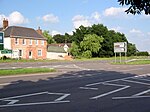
[[25, 71], [136, 62]]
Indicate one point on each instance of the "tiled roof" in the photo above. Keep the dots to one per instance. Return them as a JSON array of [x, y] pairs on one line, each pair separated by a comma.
[[56, 49], [17, 31]]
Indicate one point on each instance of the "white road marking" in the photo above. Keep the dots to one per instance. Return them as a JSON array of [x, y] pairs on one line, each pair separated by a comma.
[[141, 93], [130, 97], [110, 84], [11, 101], [111, 92], [137, 82], [62, 97], [88, 88], [21, 96], [30, 104]]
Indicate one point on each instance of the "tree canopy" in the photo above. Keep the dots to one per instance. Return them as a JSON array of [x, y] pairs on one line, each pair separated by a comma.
[[84, 38], [136, 6], [49, 37]]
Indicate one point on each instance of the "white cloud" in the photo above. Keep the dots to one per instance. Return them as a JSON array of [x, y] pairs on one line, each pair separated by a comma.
[[148, 33], [15, 18], [96, 16], [79, 20], [117, 29], [50, 18], [114, 11], [54, 32], [86, 21], [135, 31]]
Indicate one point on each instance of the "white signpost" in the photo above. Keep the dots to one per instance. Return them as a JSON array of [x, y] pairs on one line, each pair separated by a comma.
[[120, 47]]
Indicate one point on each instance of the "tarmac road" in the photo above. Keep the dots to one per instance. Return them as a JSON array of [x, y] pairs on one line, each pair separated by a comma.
[[78, 87]]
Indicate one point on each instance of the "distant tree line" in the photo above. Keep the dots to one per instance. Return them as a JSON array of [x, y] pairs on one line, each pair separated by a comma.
[[94, 41]]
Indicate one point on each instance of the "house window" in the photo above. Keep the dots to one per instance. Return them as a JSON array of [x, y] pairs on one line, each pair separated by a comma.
[[20, 52], [42, 42], [16, 40], [30, 42], [36, 42], [24, 41], [39, 52]]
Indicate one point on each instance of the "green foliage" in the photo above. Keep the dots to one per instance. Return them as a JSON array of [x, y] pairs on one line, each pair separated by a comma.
[[136, 6], [91, 42], [49, 37], [74, 50], [142, 54], [87, 54], [63, 38]]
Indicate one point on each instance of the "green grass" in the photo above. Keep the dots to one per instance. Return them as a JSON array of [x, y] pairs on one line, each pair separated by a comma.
[[135, 62], [5, 72], [139, 62]]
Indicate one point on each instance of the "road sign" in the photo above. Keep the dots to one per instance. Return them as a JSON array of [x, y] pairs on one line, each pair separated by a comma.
[[120, 47], [1, 40]]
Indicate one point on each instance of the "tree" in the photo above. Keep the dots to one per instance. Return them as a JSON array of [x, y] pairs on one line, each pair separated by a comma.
[[74, 50], [136, 6], [91, 43], [49, 37], [59, 38]]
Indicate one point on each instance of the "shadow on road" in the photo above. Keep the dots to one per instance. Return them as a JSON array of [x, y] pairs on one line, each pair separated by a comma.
[[66, 87]]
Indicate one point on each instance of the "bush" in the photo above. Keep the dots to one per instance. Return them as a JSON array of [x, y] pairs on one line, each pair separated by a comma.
[[87, 54], [142, 54]]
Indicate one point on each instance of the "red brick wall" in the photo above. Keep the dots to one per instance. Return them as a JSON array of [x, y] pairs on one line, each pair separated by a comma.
[[27, 47]]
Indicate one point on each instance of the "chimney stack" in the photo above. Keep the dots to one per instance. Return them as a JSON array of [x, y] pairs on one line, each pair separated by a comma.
[[5, 23], [39, 31]]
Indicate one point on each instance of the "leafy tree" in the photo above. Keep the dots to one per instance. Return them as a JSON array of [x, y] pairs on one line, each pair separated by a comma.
[[87, 54], [91, 42], [49, 37], [136, 6], [59, 38], [74, 50]]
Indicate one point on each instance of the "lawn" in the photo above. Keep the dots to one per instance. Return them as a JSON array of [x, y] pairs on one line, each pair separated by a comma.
[[5, 72]]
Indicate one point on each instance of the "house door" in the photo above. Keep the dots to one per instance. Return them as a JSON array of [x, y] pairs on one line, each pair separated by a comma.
[[30, 54]]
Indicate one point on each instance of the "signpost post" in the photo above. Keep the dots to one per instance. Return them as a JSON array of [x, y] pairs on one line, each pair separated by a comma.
[[120, 47]]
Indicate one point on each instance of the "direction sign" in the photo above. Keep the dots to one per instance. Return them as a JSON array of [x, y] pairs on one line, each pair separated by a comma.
[[120, 47]]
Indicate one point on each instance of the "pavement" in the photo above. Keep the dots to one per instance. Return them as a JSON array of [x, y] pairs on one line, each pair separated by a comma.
[[78, 87]]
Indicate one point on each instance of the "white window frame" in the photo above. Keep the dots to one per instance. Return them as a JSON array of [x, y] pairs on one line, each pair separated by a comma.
[[42, 42], [39, 54], [36, 42], [30, 42]]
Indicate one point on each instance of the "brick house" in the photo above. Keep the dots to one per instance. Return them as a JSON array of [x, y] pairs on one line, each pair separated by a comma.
[[27, 42]]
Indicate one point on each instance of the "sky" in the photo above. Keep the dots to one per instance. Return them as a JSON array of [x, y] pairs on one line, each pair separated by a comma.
[[64, 16]]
